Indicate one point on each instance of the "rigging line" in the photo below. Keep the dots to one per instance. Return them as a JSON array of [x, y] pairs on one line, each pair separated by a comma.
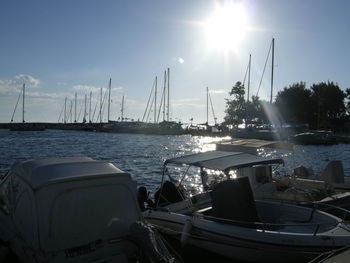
[[245, 75], [160, 106], [212, 108], [149, 98], [262, 76], [149, 111], [60, 114], [81, 108], [13, 114], [103, 103], [93, 115]]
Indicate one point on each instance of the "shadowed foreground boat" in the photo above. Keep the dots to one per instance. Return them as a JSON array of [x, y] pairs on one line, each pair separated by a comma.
[[74, 210], [226, 220]]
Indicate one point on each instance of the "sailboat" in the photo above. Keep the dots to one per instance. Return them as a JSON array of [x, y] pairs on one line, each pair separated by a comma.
[[24, 126], [205, 129]]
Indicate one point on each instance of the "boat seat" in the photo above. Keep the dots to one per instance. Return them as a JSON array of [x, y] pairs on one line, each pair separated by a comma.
[[168, 193], [234, 200]]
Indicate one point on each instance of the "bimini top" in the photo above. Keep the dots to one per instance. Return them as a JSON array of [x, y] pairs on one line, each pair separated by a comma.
[[218, 160], [46, 171]]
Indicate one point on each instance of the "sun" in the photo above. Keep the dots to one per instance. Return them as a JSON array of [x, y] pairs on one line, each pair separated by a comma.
[[226, 27]]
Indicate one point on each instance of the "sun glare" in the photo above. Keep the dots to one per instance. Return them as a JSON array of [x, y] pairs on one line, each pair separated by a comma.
[[226, 27]]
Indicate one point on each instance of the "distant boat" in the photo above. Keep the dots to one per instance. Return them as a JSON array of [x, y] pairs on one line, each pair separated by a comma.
[[315, 138], [24, 126]]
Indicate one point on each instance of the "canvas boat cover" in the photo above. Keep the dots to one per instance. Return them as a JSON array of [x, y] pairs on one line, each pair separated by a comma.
[[219, 160], [46, 171]]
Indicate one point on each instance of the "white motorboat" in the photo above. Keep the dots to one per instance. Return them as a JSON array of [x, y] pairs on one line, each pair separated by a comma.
[[72, 210], [225, 219]]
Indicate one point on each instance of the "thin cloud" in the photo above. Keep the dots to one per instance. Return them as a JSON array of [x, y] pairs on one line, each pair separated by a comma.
[[93, 88], [187, 100], [12, 86], [218, 91], [27, 79]]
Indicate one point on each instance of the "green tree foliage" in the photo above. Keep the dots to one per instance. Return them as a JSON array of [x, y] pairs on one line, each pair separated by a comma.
[[255, 111], [321, 106], [347, 103], [294, 102], [328, 103], [235, 107]]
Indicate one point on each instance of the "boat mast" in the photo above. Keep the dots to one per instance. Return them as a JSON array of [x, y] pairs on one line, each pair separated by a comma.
[[212, 108], [109, 98], [122, 110], [101, 107], [155, 102], [23, 102], [168, 75], [272, 62], [84, 119], [247, 111], [71, 112], [164, 90], [65, 110], [249, 66], [75, 108], [207, 106], [90, 107]]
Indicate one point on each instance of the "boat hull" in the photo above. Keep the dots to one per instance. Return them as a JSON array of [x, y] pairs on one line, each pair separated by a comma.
[[249, 245]]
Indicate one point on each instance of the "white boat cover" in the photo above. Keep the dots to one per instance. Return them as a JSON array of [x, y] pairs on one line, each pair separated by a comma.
[[219, 160], [46, 171]]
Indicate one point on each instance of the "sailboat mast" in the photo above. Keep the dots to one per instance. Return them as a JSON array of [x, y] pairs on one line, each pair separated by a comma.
[[71, 112], [272, 62], [246, 110], [122, 111], [168, 78], [164, 90], [207, 106], [90, 107], [101, 107], [75, 108], [155, 102], [84, 119], [109, 98], [65, 110], [249, 66], [23, 102]]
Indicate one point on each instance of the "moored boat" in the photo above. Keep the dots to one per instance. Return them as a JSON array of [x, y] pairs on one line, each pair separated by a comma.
[[225, 219], [74, 210]]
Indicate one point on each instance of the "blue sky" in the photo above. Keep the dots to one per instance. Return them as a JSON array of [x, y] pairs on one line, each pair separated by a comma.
[[59, 47]]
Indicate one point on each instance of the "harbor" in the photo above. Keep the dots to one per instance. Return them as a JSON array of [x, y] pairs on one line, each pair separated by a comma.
[[174, 131]]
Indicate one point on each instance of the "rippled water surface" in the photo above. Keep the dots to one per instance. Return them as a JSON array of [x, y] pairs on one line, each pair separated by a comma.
[[142, 155]]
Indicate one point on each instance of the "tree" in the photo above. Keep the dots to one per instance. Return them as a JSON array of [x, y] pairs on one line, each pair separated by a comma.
[[328, 103], [235, 107], [294, 102], [255, 110]]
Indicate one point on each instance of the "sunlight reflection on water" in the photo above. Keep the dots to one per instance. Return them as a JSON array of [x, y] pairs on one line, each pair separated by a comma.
[[143, 155]]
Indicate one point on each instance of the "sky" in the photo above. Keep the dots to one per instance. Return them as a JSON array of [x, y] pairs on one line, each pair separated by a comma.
[[62, 47]]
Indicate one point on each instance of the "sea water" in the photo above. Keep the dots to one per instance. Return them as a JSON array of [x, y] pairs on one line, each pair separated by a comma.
[[143, 155]]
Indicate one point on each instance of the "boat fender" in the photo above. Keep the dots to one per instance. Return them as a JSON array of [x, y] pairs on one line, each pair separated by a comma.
[[186, 232]]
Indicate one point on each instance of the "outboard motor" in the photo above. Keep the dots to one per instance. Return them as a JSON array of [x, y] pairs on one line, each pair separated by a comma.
[[142, 198]]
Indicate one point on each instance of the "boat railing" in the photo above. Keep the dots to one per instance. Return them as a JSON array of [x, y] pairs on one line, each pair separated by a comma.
[[263, 226]]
